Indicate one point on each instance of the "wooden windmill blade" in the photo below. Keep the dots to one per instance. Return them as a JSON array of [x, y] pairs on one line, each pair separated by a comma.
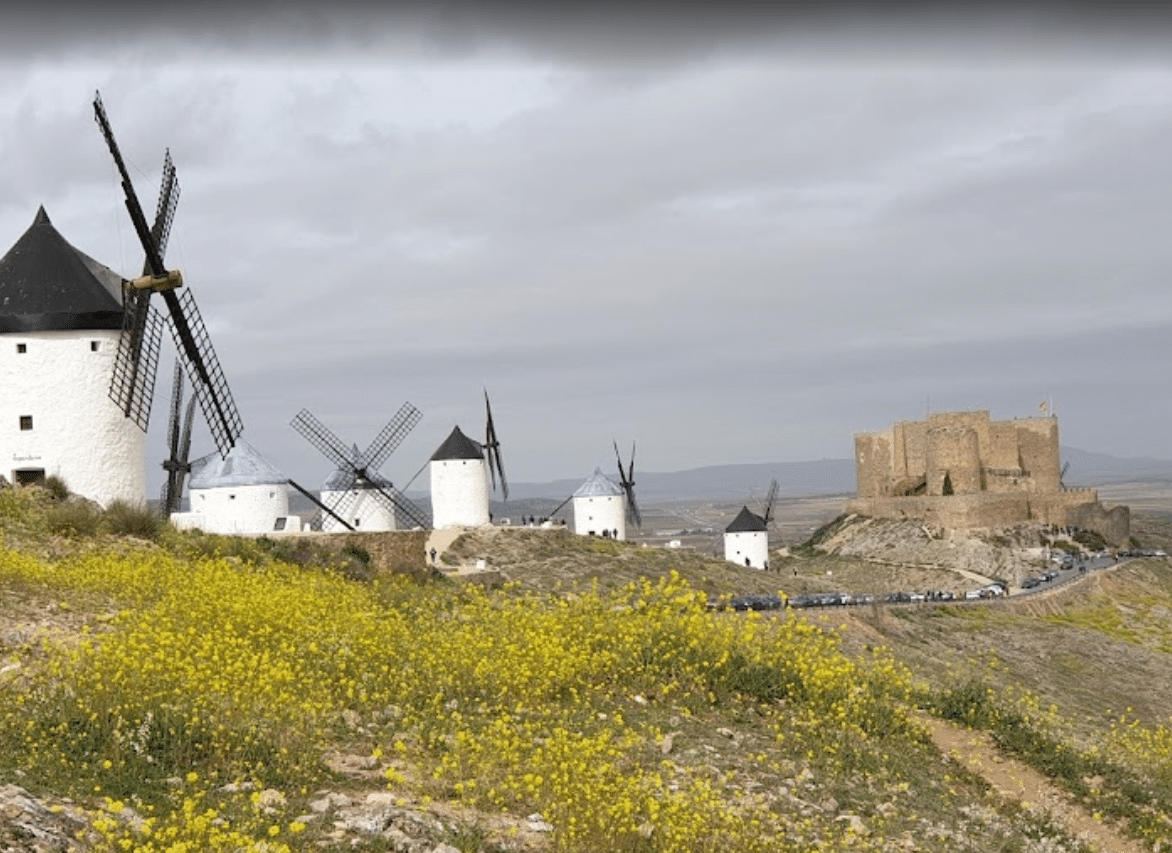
[[391, 436], [177, 463], [627, 481], [187, 326], [323, 510], [399, 504], [132, 384], [320, 436], [195, 348], [169, 499], [492, 447], [344, 485], [770, 499]]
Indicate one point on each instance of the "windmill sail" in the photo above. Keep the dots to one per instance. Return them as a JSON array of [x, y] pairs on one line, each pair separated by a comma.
[[492, 448], [627, 481], [130, 386], [179, 444], [360, 470]]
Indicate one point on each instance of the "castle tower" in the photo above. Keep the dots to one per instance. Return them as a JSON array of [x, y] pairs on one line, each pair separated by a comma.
[[746, 541], [60, 324], [459, 483], [600, 508]]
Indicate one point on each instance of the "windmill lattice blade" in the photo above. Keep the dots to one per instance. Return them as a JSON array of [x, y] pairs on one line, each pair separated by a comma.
[[500, 465], [496, 465], [316, 522], [769, 501], [633, 509], [165, 211], [195, 347], [390, 437], [176, 405], [320, 436], [185, 450], [345, 498], [398, 503], [132, 383], [169, 501], [153, 256]]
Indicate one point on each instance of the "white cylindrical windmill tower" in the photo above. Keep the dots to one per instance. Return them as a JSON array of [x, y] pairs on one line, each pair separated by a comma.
[[459, 483], [746, 541], [60, 324], [355, 500], [237, 493], [600, 508]]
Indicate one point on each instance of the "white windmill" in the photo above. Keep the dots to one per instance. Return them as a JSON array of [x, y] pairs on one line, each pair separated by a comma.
[[356, 496], [600, 508], [60, 323], [460, 472], [603, 507], [241, 492], [746, 539]]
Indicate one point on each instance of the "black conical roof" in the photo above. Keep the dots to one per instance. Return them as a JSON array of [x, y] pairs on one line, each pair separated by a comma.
[[457, 446], [45, 285], [746, 522]]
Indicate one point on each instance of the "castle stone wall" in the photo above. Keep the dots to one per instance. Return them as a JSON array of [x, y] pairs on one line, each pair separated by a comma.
[[1001, 452], [953, 458], [873, 461]]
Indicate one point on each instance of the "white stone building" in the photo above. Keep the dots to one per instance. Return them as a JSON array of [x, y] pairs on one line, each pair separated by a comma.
[[459, 483], [238, 493], [600, 508], [746, 541], [60, 323]]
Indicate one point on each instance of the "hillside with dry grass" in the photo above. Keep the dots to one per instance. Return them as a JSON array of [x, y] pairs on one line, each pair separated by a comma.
[[173, 691]]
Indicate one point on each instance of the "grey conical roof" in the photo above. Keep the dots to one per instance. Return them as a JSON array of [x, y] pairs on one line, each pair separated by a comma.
[[47, 285], [598, 486], [747, 522], [242, 466], [457, 446]]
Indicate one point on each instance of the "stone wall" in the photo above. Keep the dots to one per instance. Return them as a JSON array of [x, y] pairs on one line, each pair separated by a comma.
[[1073, 508]]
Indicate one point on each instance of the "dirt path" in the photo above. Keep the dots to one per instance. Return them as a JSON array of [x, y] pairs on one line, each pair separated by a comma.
[[1014, 780]]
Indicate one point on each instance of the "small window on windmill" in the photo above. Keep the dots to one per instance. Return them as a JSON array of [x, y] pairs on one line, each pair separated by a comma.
[[95, 346], [231, 497], [22, 348], [26, 422], [279, 524]]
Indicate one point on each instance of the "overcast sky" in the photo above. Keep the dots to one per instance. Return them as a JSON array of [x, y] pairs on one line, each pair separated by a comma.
[[731, 238]]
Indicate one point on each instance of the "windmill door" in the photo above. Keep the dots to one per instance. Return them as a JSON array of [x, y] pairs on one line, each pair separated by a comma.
[[28, 476]]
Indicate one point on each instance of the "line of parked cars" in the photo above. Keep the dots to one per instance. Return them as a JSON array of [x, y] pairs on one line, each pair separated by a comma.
[[844, 599]]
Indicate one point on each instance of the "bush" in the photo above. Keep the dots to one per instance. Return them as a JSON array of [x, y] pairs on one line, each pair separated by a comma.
[[56, 487], [1091, 540], [73, 519], [123, 518]]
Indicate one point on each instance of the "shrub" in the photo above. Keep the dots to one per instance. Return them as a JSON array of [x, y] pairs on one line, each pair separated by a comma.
[[73, 519], [1091, 540], [123, 518], [56, 487]]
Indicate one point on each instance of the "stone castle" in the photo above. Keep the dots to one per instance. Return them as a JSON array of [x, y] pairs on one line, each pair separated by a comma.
[[963, 470]]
